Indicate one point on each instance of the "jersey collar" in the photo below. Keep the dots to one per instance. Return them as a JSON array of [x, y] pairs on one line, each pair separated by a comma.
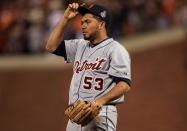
[[94, 45], [100, 45]]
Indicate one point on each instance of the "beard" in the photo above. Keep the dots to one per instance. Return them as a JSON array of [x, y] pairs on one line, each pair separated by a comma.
[[86, 37], [90, 37]]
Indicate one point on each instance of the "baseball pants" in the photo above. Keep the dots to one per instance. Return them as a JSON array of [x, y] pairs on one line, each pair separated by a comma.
[[105, 121]]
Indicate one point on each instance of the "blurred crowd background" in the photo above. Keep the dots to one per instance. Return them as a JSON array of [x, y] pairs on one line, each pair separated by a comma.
[[26, 24]]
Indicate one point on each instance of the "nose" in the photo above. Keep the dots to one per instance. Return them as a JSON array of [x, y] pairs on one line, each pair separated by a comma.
[[83, 29], [83, 25]]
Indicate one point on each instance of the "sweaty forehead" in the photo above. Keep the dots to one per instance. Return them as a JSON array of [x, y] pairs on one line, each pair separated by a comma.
[[87, 16]]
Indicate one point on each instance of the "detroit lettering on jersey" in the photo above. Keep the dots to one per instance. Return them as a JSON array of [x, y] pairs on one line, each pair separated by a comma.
[[87, 65]]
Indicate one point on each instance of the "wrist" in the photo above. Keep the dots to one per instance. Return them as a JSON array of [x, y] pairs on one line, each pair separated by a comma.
[[100, 102], [65, 19]]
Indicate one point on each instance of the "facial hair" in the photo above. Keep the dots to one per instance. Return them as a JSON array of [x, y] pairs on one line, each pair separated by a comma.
[[91, 37], [86, 38]]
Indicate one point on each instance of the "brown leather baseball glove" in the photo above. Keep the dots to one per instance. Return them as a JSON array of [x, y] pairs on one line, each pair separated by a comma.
[[82, 112]]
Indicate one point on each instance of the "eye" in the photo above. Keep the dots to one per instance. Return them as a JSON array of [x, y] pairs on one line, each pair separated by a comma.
[[83, 22], [88, 21]]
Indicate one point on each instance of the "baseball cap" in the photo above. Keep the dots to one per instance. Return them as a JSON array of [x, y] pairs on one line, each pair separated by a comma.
[[96, 10]]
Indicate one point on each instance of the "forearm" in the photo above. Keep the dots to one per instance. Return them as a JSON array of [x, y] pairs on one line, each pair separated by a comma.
[[120, 89], [56, 36]]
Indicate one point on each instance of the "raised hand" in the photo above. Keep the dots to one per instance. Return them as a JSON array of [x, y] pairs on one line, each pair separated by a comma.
[[71, 11]]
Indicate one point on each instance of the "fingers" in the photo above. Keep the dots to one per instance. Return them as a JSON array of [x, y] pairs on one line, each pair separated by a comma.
[[83, 4], [76, 5], [73, 6]]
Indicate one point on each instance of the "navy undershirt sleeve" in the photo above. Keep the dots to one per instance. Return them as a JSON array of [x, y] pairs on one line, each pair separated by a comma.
[[118, 79], [61, 50]]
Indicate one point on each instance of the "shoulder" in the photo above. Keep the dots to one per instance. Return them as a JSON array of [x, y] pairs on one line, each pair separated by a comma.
[[116, 47], [76, 42]]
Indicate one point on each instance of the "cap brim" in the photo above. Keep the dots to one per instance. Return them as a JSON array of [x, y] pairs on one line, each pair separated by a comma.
[[82, 10]]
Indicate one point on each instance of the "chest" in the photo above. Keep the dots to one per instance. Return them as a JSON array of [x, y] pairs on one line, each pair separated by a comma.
[[91, 59]]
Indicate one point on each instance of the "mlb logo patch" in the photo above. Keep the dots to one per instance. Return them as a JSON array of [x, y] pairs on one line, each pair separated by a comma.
[[103, 14]]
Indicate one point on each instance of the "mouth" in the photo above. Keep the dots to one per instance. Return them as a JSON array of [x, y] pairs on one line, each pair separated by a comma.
[[84, 32]]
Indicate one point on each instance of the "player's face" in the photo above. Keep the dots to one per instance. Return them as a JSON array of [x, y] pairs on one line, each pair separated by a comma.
[[90, 27]]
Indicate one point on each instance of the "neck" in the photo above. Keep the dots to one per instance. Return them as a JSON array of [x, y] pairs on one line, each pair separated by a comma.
[[99, 38]]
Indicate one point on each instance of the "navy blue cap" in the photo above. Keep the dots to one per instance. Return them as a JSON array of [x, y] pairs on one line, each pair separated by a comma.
[[96, 10]]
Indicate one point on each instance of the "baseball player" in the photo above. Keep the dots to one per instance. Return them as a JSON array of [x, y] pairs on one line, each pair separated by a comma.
[[101, 70]]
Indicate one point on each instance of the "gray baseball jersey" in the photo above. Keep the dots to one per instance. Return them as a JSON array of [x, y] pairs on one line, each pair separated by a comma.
[[96, 69]]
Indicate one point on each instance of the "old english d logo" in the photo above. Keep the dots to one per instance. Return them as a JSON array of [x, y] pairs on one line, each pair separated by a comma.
[[86, 65]]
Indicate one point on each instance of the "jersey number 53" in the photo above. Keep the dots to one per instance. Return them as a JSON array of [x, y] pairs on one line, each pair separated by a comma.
[[98, 83]]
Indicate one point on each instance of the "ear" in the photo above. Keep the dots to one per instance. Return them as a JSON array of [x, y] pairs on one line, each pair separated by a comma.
[[102, 25]]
